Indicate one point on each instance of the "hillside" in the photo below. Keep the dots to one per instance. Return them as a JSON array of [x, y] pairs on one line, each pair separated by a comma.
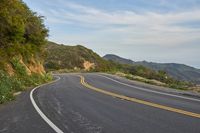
[[74, 58], [22, 40], [177, 71]]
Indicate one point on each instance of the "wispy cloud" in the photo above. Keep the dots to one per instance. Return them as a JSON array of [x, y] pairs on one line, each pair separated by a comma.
[[134, 28]]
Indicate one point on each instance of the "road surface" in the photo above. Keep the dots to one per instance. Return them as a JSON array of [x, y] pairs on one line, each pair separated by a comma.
[[96, 103]]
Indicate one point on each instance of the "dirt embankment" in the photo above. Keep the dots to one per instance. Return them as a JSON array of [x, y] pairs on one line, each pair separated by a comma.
[[88, 65], [33, 66]]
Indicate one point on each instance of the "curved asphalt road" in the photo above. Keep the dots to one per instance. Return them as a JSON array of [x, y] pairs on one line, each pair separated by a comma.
[[74, 108]]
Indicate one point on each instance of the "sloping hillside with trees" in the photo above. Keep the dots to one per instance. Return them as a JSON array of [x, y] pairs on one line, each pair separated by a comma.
[[75, 58], [22, 40]]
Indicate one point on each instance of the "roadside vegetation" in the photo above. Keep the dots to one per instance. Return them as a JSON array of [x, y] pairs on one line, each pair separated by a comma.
[[9, 85], [154, 77], [22, 40]]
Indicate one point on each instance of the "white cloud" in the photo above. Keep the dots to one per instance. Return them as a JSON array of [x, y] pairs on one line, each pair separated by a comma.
[[132, 28], [91, 15]]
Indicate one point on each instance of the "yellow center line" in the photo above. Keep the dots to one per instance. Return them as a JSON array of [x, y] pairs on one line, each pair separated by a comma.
[[196, 115]]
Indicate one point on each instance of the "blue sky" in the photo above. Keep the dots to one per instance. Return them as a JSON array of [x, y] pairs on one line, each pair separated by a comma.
[[152, 30]]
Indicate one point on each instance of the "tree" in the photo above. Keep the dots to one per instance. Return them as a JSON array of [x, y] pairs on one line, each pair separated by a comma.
[[19, 25]]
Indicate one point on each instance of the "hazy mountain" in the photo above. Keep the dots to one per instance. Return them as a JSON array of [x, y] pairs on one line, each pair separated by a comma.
[[177, 71]]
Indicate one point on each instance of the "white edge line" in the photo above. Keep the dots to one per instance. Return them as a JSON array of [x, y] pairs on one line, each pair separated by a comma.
[[143, 89], [44, 117]]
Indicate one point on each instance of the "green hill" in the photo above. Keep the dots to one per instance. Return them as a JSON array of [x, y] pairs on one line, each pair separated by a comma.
[[74, 58]]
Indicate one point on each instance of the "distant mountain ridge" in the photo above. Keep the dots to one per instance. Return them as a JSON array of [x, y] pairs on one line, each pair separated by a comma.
[[118, 59], [177, 71]]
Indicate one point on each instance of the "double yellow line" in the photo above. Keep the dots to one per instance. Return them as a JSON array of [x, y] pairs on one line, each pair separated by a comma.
[[196, 115]]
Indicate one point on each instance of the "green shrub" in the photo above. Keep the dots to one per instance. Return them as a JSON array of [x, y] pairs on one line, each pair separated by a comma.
[[5, 87], [11, 84], [19, 68]]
